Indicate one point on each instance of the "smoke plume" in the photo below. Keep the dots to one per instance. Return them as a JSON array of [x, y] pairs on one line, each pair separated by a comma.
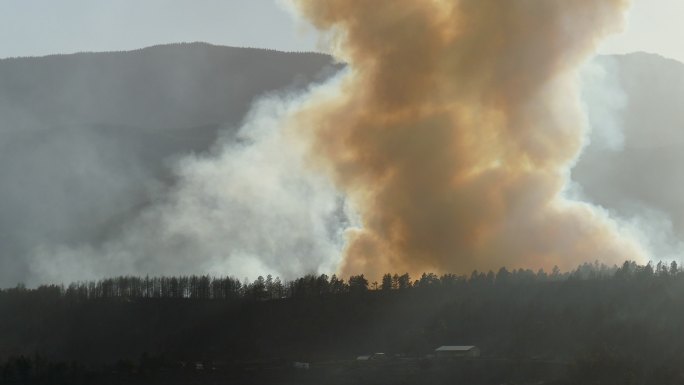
[[249, 208], [455, 129]]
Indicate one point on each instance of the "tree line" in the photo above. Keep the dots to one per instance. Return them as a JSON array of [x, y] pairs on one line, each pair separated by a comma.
[[599, 322], [206, 287]]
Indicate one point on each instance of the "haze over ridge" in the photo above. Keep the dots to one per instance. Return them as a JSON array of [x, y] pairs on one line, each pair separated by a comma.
[[85, 177]]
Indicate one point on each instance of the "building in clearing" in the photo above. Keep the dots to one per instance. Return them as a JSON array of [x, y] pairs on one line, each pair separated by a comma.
[[457, 351], [372, 357]]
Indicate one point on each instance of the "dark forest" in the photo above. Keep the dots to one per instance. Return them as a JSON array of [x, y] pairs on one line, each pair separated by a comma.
[[596, 324]]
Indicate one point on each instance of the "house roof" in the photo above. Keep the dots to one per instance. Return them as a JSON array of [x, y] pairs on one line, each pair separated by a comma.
[[455, 348]]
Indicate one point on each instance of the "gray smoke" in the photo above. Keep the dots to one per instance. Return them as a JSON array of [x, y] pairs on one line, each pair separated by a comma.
[[631, 164], [249, 208], [88, 142]]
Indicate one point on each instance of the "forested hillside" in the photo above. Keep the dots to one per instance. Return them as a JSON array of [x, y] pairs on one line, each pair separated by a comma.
[[596, 321]]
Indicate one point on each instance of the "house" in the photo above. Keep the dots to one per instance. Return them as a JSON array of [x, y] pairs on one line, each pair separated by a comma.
[[302, 365], [372, 357], [457, 351]]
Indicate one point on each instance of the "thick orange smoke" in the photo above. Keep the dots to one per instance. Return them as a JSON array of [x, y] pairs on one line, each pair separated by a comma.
[[453, 133]]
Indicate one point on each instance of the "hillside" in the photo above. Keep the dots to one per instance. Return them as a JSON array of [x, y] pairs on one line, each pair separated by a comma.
[[594, 326], [85, 139], [643, 176]]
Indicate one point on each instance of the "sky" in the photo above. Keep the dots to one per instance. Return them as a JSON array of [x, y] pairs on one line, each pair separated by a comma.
[[43, 27], [653, 26]]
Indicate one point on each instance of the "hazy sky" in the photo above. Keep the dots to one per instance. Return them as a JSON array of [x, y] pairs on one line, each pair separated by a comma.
[[654, 26], [40, 27]]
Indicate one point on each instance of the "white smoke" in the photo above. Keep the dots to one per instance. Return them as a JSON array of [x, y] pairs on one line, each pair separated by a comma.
[[253, 208], [250, 208], [605, 102]]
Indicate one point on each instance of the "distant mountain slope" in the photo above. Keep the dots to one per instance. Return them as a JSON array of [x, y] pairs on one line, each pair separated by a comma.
[[644, 176], [84, 138], [180, 85]]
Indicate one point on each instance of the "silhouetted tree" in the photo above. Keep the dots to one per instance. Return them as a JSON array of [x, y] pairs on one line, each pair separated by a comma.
[[386, 282], [358, 284], [404, 281], [337, 286]]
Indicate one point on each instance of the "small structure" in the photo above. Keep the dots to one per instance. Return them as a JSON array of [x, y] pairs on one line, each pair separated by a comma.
[[302, 365], [457, 351], [372, 357]]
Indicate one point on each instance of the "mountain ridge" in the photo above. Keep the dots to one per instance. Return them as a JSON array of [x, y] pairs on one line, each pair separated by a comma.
[[88, 137], [188, 43]]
